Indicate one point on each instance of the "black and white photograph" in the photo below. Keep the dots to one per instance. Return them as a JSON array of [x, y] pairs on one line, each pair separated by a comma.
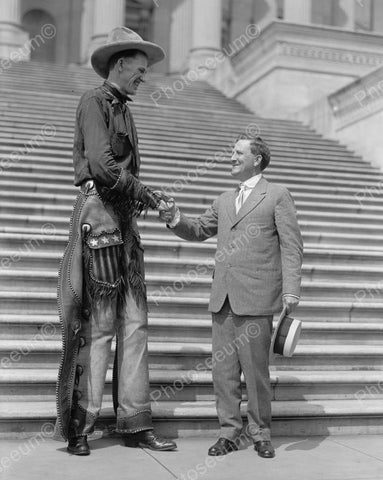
[[191, 239]]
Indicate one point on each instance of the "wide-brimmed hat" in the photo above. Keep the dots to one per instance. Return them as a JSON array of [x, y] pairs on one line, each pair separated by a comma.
[[286, 335], [120, 39]]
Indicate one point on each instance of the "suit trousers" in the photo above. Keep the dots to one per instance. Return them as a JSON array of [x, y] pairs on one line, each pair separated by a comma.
[[241, 344]]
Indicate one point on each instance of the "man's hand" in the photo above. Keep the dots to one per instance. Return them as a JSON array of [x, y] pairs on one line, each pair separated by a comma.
[[290, 302], [167, 215]]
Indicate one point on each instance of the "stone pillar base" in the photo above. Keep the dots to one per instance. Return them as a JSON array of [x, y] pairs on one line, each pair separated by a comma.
[[201, 61], [14, 42]]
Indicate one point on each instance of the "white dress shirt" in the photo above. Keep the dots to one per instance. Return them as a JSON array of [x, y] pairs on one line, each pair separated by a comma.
[[247, 187]]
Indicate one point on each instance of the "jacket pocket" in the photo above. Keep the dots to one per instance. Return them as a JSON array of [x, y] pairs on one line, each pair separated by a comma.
[[120, 144]]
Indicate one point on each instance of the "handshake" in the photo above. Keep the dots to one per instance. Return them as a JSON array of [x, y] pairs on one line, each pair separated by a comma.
[[167, 207]]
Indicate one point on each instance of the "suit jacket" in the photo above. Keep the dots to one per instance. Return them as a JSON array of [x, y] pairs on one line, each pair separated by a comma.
[[259, 250]]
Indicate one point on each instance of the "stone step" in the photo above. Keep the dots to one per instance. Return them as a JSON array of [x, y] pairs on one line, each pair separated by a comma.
[[65, 130], [282, 158], [47, 239], [356, 270], [170, 116], [188, 328], [325, 225], [362, 190], [177, 419], [190, 283], [65, 199], [185, 158], [362, 195], [303, 205], [33, 385], [35, 303], [38, 353], [45, 161]]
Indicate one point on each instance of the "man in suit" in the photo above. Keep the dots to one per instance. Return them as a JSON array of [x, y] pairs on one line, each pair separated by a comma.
[[257, 272]]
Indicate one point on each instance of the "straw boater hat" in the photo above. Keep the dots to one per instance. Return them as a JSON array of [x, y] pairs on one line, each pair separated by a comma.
[[286, 335], [119, 40]]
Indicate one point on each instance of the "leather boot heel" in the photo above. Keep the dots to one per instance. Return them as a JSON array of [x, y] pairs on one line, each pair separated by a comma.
[[130, 441]]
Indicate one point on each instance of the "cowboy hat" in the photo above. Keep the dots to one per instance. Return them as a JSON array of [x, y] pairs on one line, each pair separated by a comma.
[[286, 335], [119, 40]]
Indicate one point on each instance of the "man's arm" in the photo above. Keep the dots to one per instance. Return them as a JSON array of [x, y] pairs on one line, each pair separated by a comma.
[[291, 246], [193, 229], [103, 167]]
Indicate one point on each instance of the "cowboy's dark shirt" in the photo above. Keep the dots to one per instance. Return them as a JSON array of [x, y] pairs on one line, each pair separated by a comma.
[[106, 146]]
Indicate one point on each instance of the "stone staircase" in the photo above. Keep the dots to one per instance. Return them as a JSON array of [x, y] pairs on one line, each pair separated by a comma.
[[334, 382]]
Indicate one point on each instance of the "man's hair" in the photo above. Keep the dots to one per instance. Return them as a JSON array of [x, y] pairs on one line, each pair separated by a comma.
[[258, 147], [124, 54]]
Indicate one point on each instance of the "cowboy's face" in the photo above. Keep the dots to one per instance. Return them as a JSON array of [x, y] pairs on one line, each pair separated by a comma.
[[132, 71], [244, 164]]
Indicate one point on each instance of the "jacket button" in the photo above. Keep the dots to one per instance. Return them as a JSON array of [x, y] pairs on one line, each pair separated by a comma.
[[76, 325], [86, 313], [79, 370], [82, 342], [77, 395]]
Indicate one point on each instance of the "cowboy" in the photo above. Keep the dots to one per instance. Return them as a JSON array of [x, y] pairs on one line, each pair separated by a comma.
[[102, 290], [257, 269]]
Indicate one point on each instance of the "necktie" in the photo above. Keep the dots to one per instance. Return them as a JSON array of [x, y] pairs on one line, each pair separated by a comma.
[[239, 201]]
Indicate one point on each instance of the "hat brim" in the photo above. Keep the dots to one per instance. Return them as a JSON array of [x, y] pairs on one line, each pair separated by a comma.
[[286, 335], [101, 56]]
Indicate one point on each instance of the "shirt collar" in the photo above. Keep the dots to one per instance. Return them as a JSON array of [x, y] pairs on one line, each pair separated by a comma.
[[252, 182], [115, 90]]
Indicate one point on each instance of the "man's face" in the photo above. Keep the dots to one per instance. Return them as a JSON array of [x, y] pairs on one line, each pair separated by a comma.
[[244, 164], [133, 73]]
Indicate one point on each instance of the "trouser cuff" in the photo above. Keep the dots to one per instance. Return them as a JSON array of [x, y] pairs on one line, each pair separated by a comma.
[[138, 422]]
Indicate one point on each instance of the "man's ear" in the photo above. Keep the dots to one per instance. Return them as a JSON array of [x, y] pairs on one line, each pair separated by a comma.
[[257, 160]]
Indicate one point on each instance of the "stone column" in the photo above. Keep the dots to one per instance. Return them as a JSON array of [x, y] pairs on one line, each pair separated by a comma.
[[206, 31], [298, 11], [377, 22], [108, 14], [180, 36], [12, 36], [266, 11], [347, 8]]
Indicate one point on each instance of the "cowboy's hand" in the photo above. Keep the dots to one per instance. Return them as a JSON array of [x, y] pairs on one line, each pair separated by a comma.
[[290, 303], [163, 200]]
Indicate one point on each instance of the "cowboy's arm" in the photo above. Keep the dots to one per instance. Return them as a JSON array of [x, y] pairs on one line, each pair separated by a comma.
[[102, 164], [291, 246]]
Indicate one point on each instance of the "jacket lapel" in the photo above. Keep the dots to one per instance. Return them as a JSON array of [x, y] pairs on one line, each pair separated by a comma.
[[254, 199], [231, 204]]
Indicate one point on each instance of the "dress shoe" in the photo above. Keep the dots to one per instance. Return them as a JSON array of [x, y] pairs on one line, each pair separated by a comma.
[[264, 449], [149, 439], [222, 447], [78, 446]]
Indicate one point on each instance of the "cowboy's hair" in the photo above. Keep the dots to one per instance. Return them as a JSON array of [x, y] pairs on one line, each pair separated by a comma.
[[124, 54], [257, 147]]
